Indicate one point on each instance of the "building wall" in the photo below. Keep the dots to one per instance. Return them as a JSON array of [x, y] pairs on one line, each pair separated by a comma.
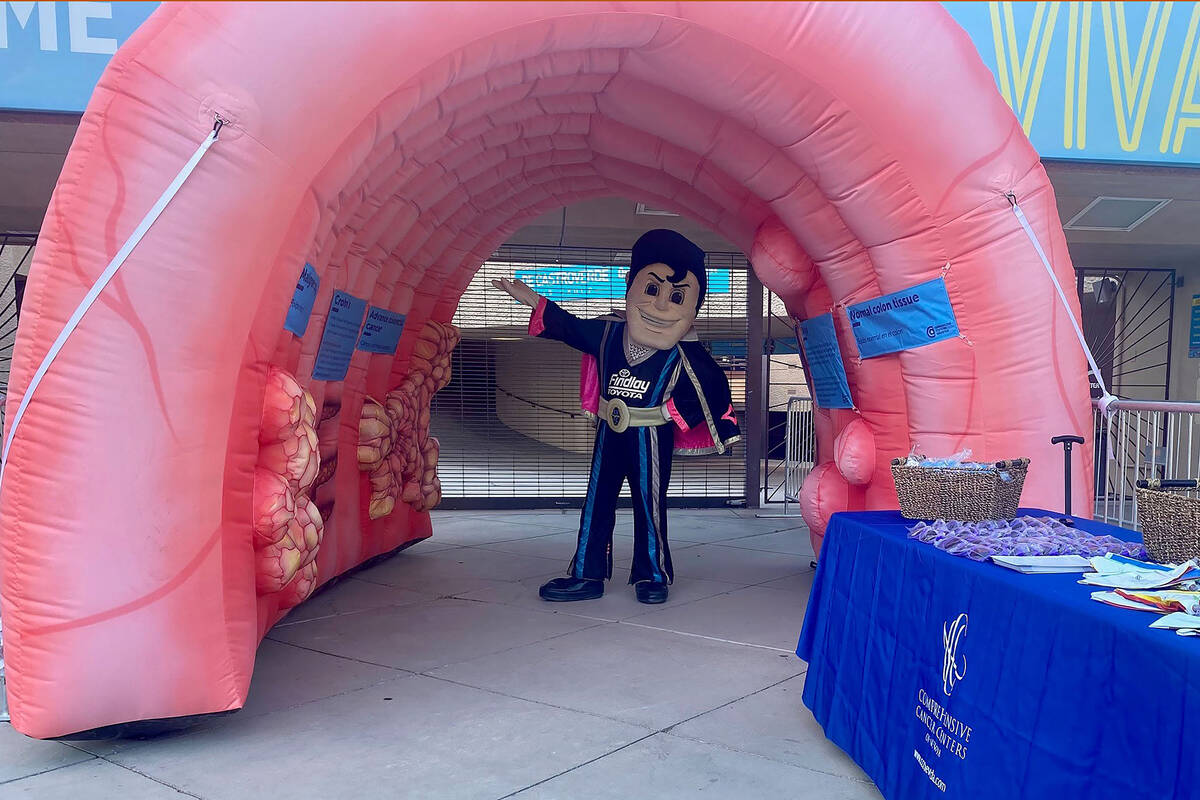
[[537, 394], [1140, 337], [787, 380]]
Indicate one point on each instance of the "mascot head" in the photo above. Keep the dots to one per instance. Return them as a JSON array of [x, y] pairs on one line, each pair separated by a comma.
[[666, 284]]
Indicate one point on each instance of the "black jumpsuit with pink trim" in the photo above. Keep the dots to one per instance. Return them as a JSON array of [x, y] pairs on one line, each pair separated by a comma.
[[640, 456]]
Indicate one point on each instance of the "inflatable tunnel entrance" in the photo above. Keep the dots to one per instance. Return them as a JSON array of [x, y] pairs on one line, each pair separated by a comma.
[[194, 460]]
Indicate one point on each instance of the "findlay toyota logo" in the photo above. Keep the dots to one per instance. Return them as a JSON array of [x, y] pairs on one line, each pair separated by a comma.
[[952, 671], [623, 384]]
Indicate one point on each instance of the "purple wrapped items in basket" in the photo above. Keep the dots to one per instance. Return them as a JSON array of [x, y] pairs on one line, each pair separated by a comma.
[[1024, 536]]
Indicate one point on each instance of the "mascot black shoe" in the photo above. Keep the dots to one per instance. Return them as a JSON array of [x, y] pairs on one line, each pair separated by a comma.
[[564, 590], [651, 592]]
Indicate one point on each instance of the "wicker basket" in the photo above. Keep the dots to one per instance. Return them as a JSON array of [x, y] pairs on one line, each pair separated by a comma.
[[1170, 521], [966, 495]]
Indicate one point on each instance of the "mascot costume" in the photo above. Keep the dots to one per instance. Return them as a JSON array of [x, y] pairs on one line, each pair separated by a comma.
[[656, 391]]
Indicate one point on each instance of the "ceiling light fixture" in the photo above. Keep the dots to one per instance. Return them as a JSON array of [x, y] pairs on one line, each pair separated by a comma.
[[1121, 214], [643, 210]]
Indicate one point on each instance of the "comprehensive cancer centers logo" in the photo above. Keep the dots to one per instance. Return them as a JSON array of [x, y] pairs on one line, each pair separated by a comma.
[[952, 670], [941, 732]]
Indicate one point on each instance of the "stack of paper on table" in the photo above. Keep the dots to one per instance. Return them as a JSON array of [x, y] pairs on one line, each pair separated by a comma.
[[1140, 586], [1183, 624], [1119, 572], [1160, 602], [1043, 565]]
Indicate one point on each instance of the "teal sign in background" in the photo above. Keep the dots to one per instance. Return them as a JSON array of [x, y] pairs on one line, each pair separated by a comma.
[[581, 282], [341, 333], [903, 320], [1093, 81], [818, 338]]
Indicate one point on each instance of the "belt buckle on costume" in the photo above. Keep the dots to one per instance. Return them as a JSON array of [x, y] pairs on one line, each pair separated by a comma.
[[618, 415]]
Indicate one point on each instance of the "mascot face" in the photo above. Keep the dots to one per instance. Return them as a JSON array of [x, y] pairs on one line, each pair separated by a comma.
[[659, 312]]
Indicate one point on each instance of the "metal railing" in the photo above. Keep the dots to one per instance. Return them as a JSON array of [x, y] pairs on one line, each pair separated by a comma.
[[1141, 440], [800, 447], [800, 452]]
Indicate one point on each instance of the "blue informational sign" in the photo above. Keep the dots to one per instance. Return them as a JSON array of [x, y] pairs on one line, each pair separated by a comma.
[[341, 334], [302, 301], [1194, 336], [901, 321], [52, 54], [381, 332], [582, 282], [818, 338]]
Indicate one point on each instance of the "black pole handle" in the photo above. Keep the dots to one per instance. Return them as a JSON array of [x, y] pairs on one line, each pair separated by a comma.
[[1171, 484], [1067, 441]]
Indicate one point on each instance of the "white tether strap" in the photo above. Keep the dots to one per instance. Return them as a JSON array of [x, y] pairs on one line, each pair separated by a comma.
[[1106, 399], [102, 281]]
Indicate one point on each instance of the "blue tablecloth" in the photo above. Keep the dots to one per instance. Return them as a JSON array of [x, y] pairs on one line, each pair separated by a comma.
[[1044, 693]]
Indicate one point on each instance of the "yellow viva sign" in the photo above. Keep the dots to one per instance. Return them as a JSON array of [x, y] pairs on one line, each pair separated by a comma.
[[1102, 79]]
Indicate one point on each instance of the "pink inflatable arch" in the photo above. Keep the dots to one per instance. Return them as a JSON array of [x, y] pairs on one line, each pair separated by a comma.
[[179, 479]]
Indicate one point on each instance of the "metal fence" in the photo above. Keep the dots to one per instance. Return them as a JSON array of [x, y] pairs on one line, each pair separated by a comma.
[[1142, 440], [801, 445], [1139, 440], [799, 457], [784, 379], [511, 430]]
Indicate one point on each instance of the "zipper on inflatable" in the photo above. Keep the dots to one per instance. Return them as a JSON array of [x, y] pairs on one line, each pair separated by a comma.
[[1106, 398], [97, 287]]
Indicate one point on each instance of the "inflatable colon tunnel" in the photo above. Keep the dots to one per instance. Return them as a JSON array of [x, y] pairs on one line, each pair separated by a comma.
[[193, 462]]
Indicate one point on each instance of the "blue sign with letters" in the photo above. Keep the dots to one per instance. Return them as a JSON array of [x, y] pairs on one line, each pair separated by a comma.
[[1090, 81], [302, 301], [583, 282], [1095, 81], [912, 318], [818, 339], [341, 333], [52, 54], [1194, 337], [381, 332]]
